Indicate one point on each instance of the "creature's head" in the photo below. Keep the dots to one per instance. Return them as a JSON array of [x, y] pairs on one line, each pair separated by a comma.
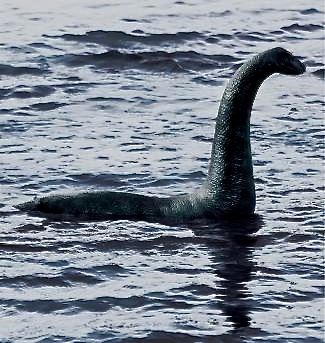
[[284, 62]]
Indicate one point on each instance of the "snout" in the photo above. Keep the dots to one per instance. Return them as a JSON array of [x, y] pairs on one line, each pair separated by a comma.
[[298, 67]]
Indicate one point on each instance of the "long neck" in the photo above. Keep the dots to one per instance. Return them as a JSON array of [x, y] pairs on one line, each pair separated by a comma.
[[230, 177]]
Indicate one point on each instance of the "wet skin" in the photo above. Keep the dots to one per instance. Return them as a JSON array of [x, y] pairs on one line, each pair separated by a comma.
[[229, 188]]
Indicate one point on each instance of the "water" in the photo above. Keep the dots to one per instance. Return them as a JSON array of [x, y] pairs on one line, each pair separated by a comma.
[[122, 95]]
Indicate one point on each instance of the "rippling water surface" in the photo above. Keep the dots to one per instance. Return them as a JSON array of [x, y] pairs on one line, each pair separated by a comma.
[[122, 95]]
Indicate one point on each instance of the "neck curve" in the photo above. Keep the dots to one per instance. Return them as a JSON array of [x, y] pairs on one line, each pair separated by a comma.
[[230, 182]]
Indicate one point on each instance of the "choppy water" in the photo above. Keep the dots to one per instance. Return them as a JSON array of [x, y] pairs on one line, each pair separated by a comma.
[[122, 95]]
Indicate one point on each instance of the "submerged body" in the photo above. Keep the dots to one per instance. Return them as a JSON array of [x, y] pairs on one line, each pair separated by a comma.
[[229, 188]]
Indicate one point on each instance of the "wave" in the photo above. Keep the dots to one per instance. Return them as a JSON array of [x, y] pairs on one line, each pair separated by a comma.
[[320, 73], [297, 27], [99, 180], [158, 61], [24, 92], [46, 106], [310, 11], [139, 39], [253, 37], [9, 70], [121, 39], [99, 304]]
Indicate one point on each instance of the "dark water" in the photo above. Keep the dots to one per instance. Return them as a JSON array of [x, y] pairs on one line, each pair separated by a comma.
[[122, 95]]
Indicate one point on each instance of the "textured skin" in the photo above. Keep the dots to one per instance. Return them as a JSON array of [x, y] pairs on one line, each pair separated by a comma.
[[229, 188]]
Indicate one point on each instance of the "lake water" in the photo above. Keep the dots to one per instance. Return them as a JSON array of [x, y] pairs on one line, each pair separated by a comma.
[[122, 95]]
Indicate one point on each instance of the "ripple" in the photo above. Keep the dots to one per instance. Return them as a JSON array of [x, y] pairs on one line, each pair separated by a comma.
[[25, 92], [8, 70], [99, 304], [21, 247], [79, 92], [320, 73], [119, 39], [253, 37], [46, 106], [298, 27], [310, 11], [158, 61], [30, 228], [102, 180], [33, 281]]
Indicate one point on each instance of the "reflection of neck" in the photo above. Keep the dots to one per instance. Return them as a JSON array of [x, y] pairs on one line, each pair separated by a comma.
[[234, 266], [235, 273], [230, 175]]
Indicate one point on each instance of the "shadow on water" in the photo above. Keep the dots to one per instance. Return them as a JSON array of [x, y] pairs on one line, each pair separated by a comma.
[[231, 243]]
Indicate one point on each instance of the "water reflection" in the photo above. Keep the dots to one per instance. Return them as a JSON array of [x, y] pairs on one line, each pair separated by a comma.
[[231, 244]]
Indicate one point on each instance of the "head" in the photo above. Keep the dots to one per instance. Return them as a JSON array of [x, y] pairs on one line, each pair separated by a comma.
[[283, 62]]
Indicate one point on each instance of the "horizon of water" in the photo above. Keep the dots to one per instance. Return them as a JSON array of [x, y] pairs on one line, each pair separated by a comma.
[[122, 96]]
